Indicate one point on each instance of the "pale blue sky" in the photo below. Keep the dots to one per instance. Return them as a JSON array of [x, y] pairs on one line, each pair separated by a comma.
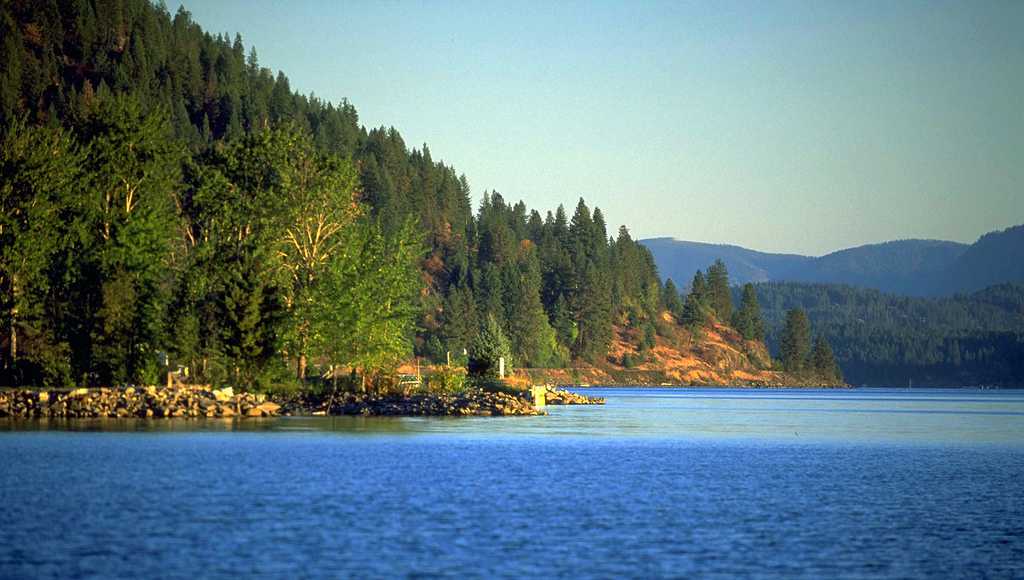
[[782, 126]]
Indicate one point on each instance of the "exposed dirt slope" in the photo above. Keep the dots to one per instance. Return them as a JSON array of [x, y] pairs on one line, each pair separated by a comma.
[[715, 355]]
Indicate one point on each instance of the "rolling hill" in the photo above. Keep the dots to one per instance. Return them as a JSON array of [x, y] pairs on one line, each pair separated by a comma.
[[882, 339], [903, 267]]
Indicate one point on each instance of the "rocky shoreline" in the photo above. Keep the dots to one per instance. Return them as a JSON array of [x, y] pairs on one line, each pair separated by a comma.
[[200, 402], [564, 397]]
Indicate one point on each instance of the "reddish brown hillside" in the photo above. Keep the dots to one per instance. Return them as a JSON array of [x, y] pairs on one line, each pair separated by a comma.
[[715, 355]]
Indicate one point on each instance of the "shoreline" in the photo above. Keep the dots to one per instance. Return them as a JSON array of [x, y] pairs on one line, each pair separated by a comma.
[[191, 402], [593, 376]]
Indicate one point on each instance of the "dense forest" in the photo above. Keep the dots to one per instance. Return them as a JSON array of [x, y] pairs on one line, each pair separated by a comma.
[[883, 339], [168, 201]]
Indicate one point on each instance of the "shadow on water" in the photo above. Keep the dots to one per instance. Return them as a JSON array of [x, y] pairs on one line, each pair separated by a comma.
[[856, 416], [645, 486], [348, 425]]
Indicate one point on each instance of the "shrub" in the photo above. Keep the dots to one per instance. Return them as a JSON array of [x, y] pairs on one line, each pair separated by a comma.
[[628, 361], [490, 346], [447, 380]]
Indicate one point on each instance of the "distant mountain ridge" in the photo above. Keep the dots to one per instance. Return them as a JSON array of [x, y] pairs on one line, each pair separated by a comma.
[[906, 267]]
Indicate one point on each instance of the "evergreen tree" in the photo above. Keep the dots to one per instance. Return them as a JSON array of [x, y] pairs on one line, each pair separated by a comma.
[[647, 337], [795, 344], [593, 316], [581, 234], [461, 321], [491, 346], [699, 289], [694, 313], [532, 338], [823, 361], [672, 300], [250, 311], [563, 323], [719, 295], [748, 320], [490, 293], [965, 339], [217, 207]]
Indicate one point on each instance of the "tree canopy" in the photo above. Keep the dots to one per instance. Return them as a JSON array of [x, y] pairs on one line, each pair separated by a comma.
[[167, 201], [193, 209]]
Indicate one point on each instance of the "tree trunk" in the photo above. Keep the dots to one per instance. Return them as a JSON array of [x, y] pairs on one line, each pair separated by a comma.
[[334, 390], [14, 336], [302, 367], [14, 321]]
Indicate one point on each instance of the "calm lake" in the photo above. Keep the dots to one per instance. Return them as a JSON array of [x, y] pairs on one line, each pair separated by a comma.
[[658, 482]]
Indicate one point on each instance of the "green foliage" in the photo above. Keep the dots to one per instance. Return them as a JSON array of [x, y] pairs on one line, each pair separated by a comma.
[[747, 320], [461, 321], [491, 345], [195, 205], [533, 339], [823, 362], [647, 336], [562, 322], [699, 289], [594, 316], [41, 168], [795, 344], [447, 380], [719, 295], [886, 340], [135, 168], [695, 314], [250, 316], [362, 312], [629, 360], [672, 301]]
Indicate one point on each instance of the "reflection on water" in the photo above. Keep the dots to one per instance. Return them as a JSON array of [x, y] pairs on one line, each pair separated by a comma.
[[928, 416], [354, 425], [657, 483]]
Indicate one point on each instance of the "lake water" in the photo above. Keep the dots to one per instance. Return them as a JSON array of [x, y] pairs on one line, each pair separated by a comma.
[[658, 482]]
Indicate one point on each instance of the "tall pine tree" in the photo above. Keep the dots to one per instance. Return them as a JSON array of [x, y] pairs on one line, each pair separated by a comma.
[[720, 297], [795, 344], [748, 320]]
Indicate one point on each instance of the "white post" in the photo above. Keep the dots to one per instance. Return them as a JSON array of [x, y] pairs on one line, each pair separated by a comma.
[[501, 367]]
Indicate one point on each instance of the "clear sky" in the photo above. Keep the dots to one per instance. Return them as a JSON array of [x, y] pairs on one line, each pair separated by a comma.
[[782, 126]]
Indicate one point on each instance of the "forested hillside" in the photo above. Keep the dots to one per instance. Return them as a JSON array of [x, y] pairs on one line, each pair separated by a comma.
[[996, 258], [883, 339], [167, 200]]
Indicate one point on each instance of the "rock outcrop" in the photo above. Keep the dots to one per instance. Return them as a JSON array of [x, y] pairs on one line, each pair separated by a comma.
[[195, 402], [133, 402], [564, 397]]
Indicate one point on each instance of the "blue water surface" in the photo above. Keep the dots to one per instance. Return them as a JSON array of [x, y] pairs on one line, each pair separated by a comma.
[[657, 483]]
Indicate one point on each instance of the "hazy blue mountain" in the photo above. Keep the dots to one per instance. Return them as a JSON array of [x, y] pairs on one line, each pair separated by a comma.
[[679, 260], [911, 267], [996, 257], [906, 267]]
